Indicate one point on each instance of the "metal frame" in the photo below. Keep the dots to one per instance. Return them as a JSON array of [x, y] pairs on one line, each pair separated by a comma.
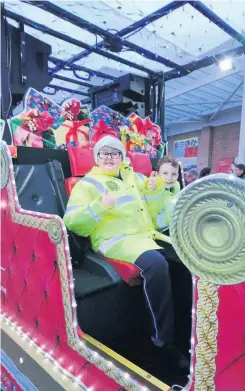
[[204, 62], [176, 72], [84, 24], [205, 11], [238, 63], [78, 82], [226, 101], [75, 67], [76, 42], [57, 88]]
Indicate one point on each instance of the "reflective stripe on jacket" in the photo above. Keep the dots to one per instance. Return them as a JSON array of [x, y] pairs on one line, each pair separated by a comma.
[[125, 231]]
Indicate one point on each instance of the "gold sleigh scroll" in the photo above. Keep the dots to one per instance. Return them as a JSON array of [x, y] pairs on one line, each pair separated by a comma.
[[207, 232]]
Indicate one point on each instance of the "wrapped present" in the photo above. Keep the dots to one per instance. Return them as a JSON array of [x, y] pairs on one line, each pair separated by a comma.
[[33, 129], [72, 110], [132, 141], [35, 100], [73, 132], [100, 130], [34, 126], [150, 132], [109, 117], [74, 124]]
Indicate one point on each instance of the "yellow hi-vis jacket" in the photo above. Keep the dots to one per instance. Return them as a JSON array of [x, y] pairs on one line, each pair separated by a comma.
[[125, 231], [161, 210]]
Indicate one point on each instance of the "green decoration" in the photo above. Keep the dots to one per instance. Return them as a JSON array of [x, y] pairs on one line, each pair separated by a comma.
[[207, 228]]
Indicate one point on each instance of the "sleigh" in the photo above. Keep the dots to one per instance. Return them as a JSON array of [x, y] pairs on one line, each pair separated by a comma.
[[73, 320]]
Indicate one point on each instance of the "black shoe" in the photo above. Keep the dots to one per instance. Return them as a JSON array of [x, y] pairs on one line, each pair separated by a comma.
[[176, 358], [168, 364]]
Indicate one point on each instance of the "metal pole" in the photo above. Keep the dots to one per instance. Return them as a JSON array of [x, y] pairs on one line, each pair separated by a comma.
[[170, 7], [161, 100], [60, 12], [203, 63], [57, 88], [226, 101], [76, 42], [74, 81], [206, 11], [76, 67], [241, 148], [92, 28]]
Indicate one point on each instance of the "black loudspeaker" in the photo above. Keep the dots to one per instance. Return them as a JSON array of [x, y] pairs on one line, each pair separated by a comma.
[[26, 58], [128, 94]]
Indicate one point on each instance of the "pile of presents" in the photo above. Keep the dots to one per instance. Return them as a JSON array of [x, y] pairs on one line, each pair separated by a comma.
[[44, 124]]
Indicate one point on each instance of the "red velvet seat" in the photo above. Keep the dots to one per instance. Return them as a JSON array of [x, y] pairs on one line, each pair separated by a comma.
[[140, 163], [81, 163], [70, 183]]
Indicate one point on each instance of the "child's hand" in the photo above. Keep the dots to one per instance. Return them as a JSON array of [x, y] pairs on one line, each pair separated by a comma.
[[152, 183], [107, 200]]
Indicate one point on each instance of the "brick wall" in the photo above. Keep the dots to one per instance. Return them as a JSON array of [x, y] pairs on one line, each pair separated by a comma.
[[214, 143], [225, 142]]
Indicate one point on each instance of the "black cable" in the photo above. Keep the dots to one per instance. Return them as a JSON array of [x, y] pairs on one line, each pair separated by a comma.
[[8, 34], [9, 59]]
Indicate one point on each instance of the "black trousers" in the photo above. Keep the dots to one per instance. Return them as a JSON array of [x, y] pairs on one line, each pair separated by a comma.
[[157, 270], [157, 289]]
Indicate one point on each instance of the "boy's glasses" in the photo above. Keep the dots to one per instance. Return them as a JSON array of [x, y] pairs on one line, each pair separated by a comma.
[[113, 155]]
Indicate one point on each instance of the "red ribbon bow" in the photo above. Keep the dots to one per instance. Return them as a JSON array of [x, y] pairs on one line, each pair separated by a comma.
[[145, 125], [42, 121], [74, 130], [101, 130], [73, 107], [148, 125]]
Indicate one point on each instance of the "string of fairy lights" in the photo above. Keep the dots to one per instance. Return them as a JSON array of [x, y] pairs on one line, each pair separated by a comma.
[[155, 36], [150, 36], [87, 352], [91, 355]]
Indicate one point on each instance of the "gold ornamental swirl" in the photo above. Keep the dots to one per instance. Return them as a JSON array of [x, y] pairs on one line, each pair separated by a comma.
[[207, 228], [207, 331], [54, 230]]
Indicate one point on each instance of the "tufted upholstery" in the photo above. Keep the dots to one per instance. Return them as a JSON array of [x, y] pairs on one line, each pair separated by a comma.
[[32, 280], [40, 188]]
